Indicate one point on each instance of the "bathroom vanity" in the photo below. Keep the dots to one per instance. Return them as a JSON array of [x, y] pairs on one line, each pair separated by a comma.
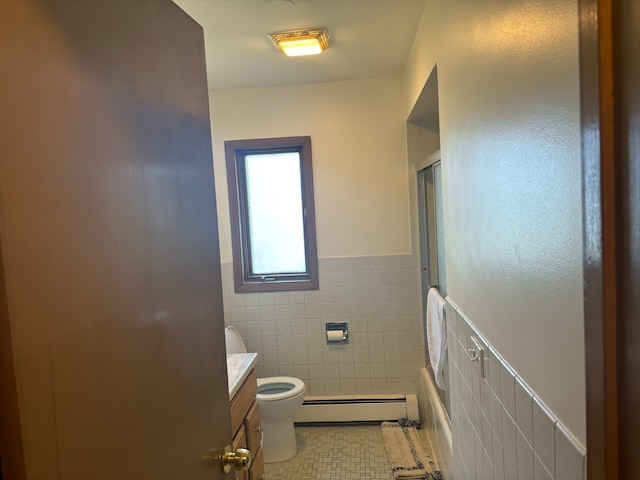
[[245, 414]]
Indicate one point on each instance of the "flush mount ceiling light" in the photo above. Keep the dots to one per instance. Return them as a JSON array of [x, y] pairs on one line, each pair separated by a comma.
[[295, 43], [279, 4]]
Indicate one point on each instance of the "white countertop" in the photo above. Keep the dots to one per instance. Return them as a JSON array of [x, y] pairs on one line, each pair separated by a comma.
[[238, 367]]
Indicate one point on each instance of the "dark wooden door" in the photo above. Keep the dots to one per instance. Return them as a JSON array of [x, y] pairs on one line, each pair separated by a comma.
[[113, 359], [627, 94], [610, 85]]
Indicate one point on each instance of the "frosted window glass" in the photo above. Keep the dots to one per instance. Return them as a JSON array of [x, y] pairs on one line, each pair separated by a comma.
[[275, 214]]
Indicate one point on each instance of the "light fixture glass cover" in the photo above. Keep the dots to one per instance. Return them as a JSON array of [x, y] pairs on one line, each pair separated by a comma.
[[295, 43]]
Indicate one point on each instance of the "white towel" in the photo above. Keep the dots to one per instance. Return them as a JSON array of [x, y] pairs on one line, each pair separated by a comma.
[[436, 334]]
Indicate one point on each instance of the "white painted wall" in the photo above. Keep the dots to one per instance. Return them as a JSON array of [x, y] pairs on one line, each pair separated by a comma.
[[510, 142], [359, 162]]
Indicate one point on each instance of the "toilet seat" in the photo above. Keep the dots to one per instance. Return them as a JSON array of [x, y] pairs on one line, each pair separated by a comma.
[[233, 341], [271, 389]]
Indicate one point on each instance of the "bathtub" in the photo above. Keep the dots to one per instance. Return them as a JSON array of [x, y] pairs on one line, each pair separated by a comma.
[[436, 422]]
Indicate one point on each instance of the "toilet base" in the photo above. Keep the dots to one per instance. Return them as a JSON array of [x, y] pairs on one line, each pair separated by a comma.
[[278, 441]]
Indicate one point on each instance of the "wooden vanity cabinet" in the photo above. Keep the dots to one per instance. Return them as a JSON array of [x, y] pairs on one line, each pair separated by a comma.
[[240, 441], [256, 472], [245, 425]]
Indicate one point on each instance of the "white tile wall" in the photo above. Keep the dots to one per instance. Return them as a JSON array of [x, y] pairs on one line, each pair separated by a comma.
[[379, 298], [501, 430]]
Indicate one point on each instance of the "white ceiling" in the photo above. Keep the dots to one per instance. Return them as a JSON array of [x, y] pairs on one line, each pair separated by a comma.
[[370, 38]]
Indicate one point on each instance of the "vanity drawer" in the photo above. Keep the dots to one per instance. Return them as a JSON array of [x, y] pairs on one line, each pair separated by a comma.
[[253, 428], [242, 401]]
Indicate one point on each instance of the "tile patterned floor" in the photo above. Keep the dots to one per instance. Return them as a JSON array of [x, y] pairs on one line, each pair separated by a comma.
[[332, 453]]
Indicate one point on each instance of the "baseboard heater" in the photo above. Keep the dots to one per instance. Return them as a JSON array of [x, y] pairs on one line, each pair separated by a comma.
[[360, 409]]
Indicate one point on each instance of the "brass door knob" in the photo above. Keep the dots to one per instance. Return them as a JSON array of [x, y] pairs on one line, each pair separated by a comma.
[[240, 459]]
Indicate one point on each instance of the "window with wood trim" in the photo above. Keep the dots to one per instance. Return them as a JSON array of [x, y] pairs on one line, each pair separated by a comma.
[[272, 214]]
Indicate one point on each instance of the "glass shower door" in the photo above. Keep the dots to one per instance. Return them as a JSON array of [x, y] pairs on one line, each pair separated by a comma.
[[432, 245]]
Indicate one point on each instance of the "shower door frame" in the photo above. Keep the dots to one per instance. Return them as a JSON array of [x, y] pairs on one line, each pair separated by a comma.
[[428, 239]]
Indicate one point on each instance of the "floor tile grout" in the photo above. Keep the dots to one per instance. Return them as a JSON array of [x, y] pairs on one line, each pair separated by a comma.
[[337, 452]]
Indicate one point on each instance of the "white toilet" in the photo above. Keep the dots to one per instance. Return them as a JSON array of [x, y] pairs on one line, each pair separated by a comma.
[[279, 398]]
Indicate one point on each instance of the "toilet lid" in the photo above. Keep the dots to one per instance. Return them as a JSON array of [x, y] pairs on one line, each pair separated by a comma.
[[277, 388], [233, 340]]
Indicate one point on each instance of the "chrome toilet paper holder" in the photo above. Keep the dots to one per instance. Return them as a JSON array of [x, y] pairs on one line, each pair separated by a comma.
[[337, 332]]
